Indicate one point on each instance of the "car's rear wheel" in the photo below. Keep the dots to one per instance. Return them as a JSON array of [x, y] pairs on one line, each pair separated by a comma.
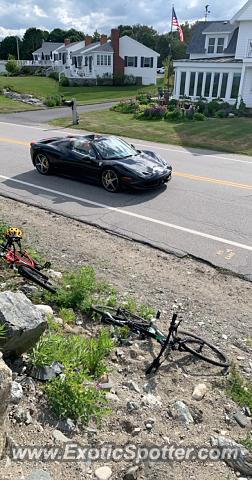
[[42, 164], [110, 180]]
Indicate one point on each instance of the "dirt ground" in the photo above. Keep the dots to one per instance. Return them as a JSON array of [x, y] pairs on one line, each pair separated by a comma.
[[213, 305]]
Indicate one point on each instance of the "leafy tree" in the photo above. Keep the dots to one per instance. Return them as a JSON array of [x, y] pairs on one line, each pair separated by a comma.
[[32, 40], [8, 46], [74, 35], [57, 35], [11, 66], [95, 37]]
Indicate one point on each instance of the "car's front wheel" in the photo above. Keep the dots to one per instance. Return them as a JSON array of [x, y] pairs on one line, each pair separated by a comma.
[[42, 164], [110, 180]]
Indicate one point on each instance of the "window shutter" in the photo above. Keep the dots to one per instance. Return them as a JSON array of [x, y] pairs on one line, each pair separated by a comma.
[[142, 62], [151, 62], [125, 61], [135, 61]]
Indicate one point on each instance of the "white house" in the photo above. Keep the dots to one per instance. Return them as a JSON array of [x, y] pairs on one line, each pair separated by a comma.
[[104, 58], [220, 60]]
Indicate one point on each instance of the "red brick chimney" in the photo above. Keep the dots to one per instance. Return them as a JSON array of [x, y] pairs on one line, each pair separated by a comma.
[[67, 41], [88, 40], [118, 64], [103, 39]]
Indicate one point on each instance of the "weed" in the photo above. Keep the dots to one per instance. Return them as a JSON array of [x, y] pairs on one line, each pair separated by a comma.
[[67, 315], [239, 389], [145, 311], [246, 442]]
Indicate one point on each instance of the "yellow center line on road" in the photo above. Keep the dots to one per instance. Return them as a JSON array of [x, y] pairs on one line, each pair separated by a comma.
[[189, 176]]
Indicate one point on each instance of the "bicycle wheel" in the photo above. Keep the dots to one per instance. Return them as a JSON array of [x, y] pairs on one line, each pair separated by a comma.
[[120, 316], [202, 349], [36, 277]]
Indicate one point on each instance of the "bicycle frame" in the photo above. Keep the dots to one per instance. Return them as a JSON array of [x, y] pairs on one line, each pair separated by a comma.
[[14, 258]]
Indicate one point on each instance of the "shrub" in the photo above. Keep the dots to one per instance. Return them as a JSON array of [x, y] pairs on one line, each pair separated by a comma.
[[77, 290], [172, 104], [214, 106], [118, 79], [239, 389], [26, 70], [53, 101], [63, 82], [129, 80], [173, 116], [128, 106], [11, 66], [155, 112], [199, 117], [200, 105], [67, 315], [55, 75], [221, 114]]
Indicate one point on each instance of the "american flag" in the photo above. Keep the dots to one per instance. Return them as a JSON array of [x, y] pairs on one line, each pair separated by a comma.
[[175, 23]]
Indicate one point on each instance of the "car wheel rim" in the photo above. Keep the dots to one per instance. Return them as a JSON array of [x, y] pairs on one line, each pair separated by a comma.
[[110, 180], [42, 163]]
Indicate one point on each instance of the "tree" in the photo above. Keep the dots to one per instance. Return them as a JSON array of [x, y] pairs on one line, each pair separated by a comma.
[[96, 37], [32, 40], [8, 46], [74, 35], [11, 66], [57, 35]]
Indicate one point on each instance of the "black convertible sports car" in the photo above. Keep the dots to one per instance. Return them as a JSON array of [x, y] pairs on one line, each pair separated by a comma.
[[108, 160]]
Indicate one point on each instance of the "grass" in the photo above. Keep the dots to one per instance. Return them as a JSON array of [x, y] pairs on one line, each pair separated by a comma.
[[247, 442], [42, 87], [229, 135], [7, 105], [238, 389]]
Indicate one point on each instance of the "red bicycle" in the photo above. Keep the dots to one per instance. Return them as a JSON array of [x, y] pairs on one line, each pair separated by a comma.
[[21, 261]]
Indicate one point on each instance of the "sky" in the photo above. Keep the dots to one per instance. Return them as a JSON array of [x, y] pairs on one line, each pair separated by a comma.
[[88, 15]]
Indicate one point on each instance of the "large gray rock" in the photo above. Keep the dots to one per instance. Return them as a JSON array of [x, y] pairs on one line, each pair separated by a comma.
[[240, 461], [5, 394], [24, 323]]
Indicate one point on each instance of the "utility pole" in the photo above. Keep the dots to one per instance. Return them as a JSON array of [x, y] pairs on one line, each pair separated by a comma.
[[17, 47]]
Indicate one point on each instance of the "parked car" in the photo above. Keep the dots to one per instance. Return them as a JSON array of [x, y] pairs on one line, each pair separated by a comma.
[[161, 70], [107, 160]]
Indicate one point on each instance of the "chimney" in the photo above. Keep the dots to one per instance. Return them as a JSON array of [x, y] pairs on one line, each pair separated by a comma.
[[88, 40], [67, 41], [118, 64], [103, 39]]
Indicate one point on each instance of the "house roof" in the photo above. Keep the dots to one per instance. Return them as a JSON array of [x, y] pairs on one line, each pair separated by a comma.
[[211, 60], [135, 42], [84, 49], [94, 47], [245, 13], [197, 43], [48, 47]]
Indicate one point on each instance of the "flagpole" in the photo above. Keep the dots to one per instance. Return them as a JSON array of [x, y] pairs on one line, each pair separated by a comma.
[[169, 56]]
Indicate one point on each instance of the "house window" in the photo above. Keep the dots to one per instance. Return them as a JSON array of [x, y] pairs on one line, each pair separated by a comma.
[[235, 85], [182, 84], [211, 45], [207, 85], [59, 56], [249, 48], [55, 56], [79, 61], [192, 82], [98, 60], [220, 45], [109, 59], [215, 85], [199, 85], [86, 61], [147, 62], [130, 61], [47, 57], [101, 59], [224, 85], [35, 57]]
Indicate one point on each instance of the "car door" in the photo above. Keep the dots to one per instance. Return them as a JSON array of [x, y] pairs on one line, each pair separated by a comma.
[[83, 160]]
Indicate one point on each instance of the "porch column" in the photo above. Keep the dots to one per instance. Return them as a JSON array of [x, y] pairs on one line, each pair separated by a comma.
[[241, 85], [177, 87], [229, 86], [187, 83], [195, 84], [211, 86], [203, 84], [219, 86]]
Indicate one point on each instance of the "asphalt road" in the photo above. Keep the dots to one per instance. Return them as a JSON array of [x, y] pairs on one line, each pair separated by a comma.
[[205, 211]]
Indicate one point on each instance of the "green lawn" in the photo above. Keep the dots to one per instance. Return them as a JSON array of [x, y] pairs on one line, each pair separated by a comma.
[[42, 87], [9, 106], [230, 135]]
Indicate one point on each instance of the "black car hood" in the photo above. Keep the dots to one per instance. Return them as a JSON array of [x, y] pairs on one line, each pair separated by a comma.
[[144, 163]]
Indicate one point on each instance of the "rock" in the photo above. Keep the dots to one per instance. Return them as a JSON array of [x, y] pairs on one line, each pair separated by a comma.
[[28, 384], [147, 387], [16, 392], [132, 386], [136, 431], [5, 395], [103, 473], [182, 413], [53, 274], [199, 391], [132, 406], [149, 426], [47, 371], [60, 437], [112, 397], [66, 426], [39, 475], [241, 462], [22, 415], [242, 420], [45, 309], [105, 386], [132, 473], [23, 321], [151, 400]]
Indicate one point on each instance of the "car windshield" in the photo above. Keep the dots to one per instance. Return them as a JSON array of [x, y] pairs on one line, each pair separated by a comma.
[[111, 148]]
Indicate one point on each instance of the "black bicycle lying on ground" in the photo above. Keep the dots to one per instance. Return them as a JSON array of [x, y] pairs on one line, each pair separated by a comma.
[[175, 340]]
